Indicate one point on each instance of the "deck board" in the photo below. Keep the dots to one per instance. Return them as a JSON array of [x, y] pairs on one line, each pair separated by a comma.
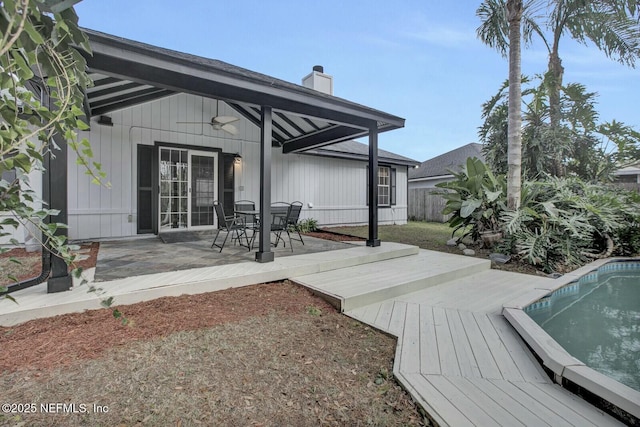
[[467, 406], [396, 323], [441, 406], [505, 363], [517, 409], [429, 357], [490, 406], [538, 407], [466, 358], [410, 355], [446, 349], [522, 357], [551, 397], [481, 350]]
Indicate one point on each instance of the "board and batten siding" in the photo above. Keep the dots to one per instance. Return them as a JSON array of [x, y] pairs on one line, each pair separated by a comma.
[[335, 187]]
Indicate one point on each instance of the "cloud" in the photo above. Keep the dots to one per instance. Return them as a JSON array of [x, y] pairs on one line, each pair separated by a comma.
[[439, 35]]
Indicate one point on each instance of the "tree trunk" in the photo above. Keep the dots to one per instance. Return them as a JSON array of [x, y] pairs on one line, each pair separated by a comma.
[[514, 135], [554, 85]]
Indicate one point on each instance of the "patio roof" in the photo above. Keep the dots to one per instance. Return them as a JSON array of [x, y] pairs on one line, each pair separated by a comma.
[[128, 73]]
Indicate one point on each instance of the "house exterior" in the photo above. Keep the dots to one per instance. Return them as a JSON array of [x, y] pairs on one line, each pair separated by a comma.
[[165, 142], [628, 177], [425, 204], [175, 132], [438, 169]]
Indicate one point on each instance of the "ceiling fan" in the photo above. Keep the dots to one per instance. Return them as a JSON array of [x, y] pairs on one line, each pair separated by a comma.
[[223, 123]]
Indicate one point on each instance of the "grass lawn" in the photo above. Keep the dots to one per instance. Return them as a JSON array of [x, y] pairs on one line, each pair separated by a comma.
[[429, 235], [426, 235]]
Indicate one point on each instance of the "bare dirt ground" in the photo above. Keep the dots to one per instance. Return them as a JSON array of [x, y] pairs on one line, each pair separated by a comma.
[[264, 355]]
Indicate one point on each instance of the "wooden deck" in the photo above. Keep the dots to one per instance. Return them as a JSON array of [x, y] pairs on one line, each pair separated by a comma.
[[36, 303], [457, 355]]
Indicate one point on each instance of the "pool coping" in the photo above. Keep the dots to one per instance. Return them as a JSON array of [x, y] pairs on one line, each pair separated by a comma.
[[556, 359]]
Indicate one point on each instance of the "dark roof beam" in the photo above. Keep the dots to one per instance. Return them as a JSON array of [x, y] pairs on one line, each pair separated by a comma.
[[129, 102], [112, 89], [290, 122], [323, 137]]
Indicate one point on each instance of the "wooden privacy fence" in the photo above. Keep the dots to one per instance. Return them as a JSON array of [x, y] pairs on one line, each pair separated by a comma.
[[426, 204]]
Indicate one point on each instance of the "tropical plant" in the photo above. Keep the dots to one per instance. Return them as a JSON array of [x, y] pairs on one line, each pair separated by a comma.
[[475, 198], [42, 82], [591, 150], [613, 26], [565, 222]]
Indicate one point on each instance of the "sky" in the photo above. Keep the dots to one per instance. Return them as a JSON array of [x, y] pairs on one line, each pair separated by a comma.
[[417, 59]]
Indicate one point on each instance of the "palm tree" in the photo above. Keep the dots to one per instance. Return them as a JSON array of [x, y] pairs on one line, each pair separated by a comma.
[[514, 138], [506, 19], [612, 25]]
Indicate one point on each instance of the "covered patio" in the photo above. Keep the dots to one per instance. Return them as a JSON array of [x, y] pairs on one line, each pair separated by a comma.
[[290, 117], [119, 259]]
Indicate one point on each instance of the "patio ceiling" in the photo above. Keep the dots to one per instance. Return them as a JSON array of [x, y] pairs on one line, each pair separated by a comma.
[[128, 73]]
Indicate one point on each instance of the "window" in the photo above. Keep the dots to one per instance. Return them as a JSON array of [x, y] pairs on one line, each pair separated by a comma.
[[386, 186]]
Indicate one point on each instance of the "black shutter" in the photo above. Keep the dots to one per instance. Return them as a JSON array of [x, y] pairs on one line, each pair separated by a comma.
[[145, 189], [392, 189], [367, 185], [228, 179]]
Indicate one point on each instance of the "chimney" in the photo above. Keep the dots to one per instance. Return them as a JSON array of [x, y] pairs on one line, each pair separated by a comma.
[[318, 80]]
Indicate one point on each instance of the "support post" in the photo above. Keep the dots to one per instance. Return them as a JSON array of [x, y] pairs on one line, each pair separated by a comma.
[[373, 186], [55, 185], [264, 253]]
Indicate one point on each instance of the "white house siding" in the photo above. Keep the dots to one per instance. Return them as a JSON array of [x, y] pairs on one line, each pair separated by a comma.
[[430, 182], [24, 234], [335, 187]]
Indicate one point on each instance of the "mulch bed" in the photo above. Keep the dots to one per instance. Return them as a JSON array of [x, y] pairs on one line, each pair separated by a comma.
[[61, 340], [31, 262], [336, 237]]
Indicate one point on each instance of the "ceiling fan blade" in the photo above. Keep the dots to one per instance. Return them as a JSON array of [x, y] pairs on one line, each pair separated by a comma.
[[229, 129], [223, 120]]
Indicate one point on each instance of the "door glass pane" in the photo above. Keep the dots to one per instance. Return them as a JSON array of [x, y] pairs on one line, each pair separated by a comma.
[[202, 189], [173, 188]]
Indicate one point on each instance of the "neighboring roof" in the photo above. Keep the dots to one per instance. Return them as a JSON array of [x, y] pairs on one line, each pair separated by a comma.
[[358, 151], [442, 164], [128, 72]]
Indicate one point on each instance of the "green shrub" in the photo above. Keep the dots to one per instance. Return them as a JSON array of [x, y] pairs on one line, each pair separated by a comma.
[[476, 198], [563, 223], [307, 225]]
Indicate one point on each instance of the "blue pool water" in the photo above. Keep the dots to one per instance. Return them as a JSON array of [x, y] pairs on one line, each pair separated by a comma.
[[597, 320]]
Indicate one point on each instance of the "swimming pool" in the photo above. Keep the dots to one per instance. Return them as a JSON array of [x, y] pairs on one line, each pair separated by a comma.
[[589, 341], [596, 319]]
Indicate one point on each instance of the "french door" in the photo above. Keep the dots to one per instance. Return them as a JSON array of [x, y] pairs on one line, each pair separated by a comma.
[[188, 188]]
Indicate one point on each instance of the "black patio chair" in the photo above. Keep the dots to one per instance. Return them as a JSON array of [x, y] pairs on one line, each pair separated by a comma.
[[251, 219], [232, 225], [292, 220], [279, 221]]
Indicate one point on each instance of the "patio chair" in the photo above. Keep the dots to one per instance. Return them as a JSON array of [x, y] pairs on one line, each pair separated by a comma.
[[232, 225], [251, 219], [292, 220], [280, 212]]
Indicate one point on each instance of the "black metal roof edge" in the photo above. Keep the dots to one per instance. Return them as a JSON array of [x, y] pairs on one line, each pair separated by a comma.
[[399, 160], [235, 72], [344, 156]]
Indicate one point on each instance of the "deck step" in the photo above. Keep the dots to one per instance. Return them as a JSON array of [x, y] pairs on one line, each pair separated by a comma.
[[358, 286], [36, 303]]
